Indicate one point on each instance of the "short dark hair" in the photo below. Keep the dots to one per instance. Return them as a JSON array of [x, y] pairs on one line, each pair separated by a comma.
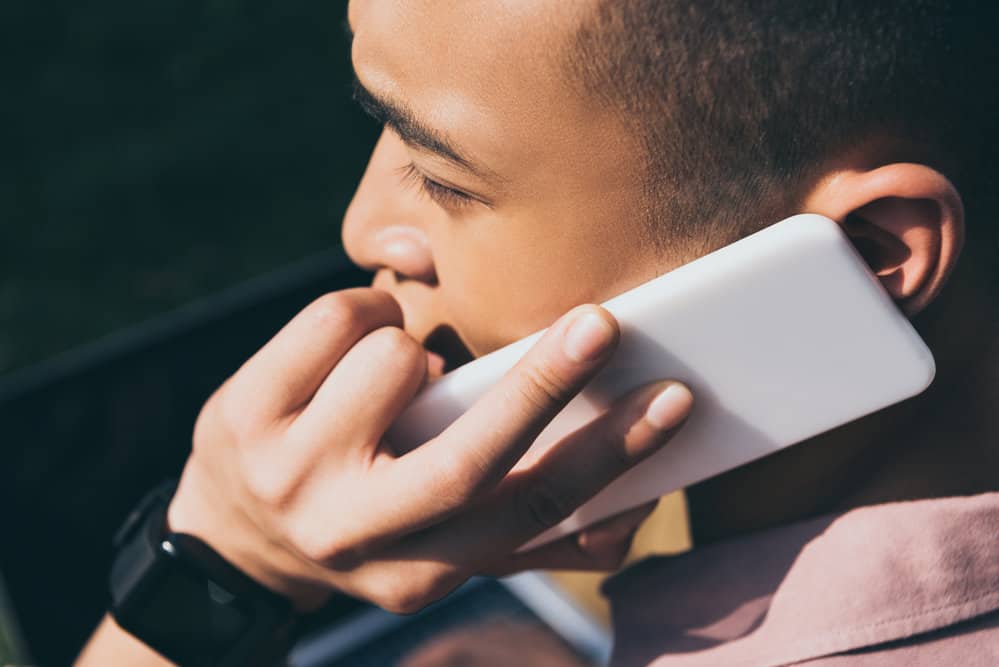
[[736, 102]]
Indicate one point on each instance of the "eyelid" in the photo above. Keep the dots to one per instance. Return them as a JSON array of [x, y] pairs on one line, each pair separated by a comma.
[[446, 196]]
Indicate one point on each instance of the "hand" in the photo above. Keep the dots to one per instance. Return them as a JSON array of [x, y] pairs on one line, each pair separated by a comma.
[[291, 481]]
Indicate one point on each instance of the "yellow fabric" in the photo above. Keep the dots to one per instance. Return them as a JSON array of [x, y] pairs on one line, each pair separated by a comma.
[[667, 530]]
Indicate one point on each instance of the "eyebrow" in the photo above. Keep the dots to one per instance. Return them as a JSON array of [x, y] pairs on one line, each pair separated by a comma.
[[412, 130]]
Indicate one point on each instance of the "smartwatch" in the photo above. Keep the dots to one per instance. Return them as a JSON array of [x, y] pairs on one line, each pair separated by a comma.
[[176, 594]]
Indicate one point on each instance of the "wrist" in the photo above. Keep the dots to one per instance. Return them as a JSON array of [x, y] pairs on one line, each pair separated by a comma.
[[195, 510], [112, 645], [176, 594]]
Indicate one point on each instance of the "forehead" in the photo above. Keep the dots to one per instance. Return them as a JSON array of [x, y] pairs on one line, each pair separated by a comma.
[[459, 41], [489, 71]]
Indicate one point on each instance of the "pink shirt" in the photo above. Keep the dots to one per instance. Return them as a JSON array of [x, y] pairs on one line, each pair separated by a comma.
[[913, 584]]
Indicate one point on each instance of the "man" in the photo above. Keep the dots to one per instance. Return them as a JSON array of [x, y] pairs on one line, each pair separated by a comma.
[[540, 155]]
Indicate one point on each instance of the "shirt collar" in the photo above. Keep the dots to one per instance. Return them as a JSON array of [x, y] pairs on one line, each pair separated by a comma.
[[834, 584]]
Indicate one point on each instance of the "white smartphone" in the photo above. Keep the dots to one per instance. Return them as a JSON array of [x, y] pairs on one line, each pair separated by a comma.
[[780, 336]]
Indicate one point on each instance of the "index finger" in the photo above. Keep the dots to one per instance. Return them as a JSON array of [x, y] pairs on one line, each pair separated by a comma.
[[287, 371], [482, 445]]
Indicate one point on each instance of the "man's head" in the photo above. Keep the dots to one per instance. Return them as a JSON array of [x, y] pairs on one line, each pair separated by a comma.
[[739, 103], [543, 154]]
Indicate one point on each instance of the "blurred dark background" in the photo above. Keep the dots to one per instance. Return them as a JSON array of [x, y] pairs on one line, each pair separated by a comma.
[[156, 152], [172, 178]]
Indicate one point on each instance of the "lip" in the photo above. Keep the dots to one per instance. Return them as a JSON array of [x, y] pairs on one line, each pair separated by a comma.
[[435, 365], [445, 351]]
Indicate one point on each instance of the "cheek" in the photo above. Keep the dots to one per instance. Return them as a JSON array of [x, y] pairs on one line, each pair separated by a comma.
[[504, 286], [496, 307], [488, 298]]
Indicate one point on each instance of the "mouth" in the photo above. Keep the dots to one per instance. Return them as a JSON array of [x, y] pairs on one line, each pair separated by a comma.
[[445, 351]]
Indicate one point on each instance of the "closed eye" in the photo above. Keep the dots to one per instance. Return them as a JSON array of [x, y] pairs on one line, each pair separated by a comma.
[[446, 197]]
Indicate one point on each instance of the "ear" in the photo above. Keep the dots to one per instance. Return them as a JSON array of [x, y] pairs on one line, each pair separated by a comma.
[[907, 221]]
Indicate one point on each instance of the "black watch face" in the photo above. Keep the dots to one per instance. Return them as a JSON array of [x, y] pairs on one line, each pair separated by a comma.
[[190, 611]]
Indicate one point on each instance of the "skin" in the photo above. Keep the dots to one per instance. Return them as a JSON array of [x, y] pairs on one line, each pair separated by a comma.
[[548, 216], [509, 109]]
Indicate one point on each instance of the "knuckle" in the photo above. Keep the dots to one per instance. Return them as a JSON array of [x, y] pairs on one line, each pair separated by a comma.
[[328, 552], [270, 485], [397, 596], [542, 505], [541, 387], [393, 343], [408, 592], [401, 603], [229, 418], [457, 480], [318, 546], [411, 355], [335, 309], [219, 426]]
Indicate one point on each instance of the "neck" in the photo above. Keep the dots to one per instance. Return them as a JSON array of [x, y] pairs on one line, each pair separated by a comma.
[[944, 442]]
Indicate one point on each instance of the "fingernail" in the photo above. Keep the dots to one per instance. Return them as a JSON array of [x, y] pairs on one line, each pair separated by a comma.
[[588, 337], [669, 407]]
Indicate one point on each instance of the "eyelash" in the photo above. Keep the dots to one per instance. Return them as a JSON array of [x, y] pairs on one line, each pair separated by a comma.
[[445, 197]]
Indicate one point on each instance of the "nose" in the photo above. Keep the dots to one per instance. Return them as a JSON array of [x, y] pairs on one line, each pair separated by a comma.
[[382, 227]]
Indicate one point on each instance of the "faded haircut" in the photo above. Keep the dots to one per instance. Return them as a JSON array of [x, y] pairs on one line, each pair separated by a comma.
[[740, 103]]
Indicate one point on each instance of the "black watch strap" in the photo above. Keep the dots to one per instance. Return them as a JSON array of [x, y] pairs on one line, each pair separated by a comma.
[[176, 594]]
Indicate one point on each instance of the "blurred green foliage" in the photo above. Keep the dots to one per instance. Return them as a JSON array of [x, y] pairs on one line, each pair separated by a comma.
[[154, 152]]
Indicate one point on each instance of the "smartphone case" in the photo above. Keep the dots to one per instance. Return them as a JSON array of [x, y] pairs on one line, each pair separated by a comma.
[[781, 336]]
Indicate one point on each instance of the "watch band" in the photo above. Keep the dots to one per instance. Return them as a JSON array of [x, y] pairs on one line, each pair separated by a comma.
[[184, 600]]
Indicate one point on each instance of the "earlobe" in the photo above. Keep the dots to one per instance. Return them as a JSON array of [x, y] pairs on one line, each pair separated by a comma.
[[906, 220]]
